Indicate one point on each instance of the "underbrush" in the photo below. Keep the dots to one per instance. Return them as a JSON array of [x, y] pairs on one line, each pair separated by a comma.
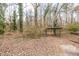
[[74, 27], [1, 27], [33, 32]]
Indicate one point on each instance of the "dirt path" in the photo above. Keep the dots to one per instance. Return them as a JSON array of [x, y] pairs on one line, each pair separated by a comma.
[[70, 45], [44, 46], [69, 48]]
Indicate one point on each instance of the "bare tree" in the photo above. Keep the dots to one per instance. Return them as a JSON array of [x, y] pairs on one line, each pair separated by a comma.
[[14, 20], [36, 5], [27, 18], [46, 11], [76, 9], [21, 16], [3, 7]]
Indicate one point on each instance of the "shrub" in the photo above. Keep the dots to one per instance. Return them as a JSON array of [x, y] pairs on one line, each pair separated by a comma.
[[1, 31], [33, 32], [74, 27], [1, 27]]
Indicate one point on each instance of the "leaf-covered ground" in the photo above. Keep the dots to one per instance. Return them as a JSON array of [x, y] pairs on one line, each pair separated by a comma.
[[12, 44]]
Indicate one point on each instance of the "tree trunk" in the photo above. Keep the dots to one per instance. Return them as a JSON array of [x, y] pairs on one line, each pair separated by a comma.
[[72, 17], [35, 17], [66, 15], [21, 16], [14, 21]]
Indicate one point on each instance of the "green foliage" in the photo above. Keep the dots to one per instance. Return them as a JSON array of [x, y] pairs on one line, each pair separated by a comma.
[[1, 27], [73, 27]]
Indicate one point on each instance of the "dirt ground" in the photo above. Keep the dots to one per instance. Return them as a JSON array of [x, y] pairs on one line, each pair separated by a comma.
[[12, 44]]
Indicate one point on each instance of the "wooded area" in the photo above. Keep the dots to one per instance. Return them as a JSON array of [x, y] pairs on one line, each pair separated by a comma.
[[27, 21]]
